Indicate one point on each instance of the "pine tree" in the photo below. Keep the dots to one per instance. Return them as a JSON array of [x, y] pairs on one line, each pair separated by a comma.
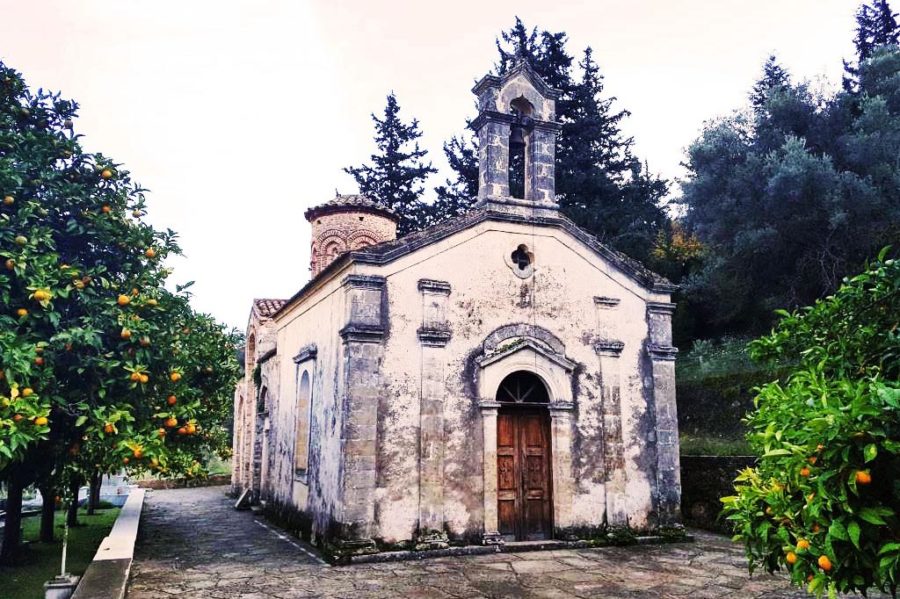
[[398, 171], [876, 26], [775, 78], [457, 196]]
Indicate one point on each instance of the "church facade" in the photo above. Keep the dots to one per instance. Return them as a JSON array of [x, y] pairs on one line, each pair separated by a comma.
[[499, 377]]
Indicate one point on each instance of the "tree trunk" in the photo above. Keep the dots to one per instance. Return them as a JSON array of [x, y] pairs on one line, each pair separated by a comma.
[[12, 531], [94, 495], [48, 512], [72, 515]]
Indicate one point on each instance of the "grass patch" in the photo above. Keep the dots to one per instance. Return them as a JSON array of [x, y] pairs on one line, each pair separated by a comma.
[[40, 561], [717, 446]]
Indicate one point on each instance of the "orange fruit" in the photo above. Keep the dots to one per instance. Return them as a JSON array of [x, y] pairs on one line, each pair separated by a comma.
[[145, 341], [812, 460], [39, 361], [824, 563], [863, 477], [134, 291], [161, 432], [106, 174], [145, 379], [41, 295], [171, 400], [109, 428], [150, 253], [9, 200], [802, 545], [791, 558], [175, 377], [125, 460], [41, 421], [17, 418], [171, 422], [125, 334], [804, 472], [10, 264], [816, 527], [138, 453], [123, 300], [106, 209], [38, 349], [27, 391], [135, 377], [182, 431], [22, 312], [191, 429], [78, 284], [151, 302], [21, 240]]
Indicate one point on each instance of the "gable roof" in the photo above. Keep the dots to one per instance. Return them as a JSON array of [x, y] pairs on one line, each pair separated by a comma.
[[388, 251]]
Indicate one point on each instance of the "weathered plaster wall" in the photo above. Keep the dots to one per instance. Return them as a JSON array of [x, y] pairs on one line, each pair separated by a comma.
[[559, 297], [312, 325]]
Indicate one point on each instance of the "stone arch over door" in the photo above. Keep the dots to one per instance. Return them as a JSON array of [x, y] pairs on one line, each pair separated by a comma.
[[555, 371]]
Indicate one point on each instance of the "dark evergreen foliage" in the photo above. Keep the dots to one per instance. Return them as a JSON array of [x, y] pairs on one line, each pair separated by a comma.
[[792, 195], [876, 26], [397, 172]]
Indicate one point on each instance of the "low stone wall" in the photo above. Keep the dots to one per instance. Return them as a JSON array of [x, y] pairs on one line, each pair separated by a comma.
[[704, 480], [184, 483], [107, 575]]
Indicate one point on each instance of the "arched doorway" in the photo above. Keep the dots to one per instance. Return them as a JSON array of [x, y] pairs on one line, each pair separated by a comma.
[[524, 490]]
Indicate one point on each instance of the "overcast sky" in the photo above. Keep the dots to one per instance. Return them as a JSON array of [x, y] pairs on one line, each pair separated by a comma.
[[240, 115]]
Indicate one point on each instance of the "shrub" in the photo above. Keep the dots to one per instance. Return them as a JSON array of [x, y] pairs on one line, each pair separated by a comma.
[[824, 498]]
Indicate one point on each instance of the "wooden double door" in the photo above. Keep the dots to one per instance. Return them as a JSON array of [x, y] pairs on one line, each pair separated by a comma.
[[524, 501]]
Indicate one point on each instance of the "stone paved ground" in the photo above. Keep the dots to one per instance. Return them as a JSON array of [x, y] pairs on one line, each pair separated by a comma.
[[193, 544]]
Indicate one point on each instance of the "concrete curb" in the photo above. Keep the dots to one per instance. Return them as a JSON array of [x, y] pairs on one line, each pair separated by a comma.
[[107, 575]]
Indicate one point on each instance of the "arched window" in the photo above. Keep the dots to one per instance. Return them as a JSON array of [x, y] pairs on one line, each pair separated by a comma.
[[304, 412], [522, 388]]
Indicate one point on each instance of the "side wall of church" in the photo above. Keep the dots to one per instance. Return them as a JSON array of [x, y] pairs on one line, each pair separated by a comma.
[[308, 427]]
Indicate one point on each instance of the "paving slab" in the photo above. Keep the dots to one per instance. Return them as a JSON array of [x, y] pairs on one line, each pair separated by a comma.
[[193, 544]]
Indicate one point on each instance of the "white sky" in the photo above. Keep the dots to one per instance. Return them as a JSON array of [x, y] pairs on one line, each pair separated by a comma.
[[238, 115]]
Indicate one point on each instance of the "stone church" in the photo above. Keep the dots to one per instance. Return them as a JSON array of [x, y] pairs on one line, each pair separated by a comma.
[[499, 377]]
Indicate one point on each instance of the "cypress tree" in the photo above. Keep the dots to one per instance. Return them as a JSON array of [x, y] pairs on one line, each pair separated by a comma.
[[876, 26], [398, 170]]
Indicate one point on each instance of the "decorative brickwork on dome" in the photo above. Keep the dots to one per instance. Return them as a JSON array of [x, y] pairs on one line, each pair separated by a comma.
[[348, 222]]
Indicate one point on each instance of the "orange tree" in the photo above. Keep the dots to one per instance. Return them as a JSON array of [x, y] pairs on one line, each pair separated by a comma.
[[824, 498], [92, 343]]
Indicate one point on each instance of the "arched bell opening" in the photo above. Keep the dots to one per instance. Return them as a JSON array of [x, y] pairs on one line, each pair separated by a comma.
[[519, 133], [524, 472]]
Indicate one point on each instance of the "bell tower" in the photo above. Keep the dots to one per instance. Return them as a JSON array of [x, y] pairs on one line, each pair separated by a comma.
[[516, 112]]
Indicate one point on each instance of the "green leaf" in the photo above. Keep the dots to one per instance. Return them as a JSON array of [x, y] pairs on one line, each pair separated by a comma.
[[871, 516], [838, 531], [81, 420], [854, 531], [870, 452]]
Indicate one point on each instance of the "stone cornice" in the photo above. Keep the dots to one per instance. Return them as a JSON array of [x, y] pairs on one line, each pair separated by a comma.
[[363, 281], [430, 337], [516, 347], [492, 116], [433, 286], [606, 302], [609, 347], [662, 352], [362, 333], [308, 352], [660, 307]]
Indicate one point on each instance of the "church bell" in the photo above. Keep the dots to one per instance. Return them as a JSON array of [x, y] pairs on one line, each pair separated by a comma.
[[516, 137]]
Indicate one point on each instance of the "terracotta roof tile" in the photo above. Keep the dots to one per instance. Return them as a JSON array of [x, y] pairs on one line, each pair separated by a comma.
[[268, 307]]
